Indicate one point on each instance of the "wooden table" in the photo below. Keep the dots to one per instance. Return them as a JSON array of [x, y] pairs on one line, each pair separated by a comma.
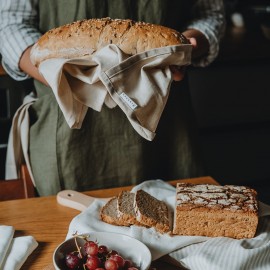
[[48, 223]]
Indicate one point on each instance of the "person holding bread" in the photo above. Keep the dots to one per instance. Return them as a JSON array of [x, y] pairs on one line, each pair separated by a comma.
[[106, 151]]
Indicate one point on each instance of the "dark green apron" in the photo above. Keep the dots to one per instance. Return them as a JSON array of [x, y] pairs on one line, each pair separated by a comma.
[[107, 151]]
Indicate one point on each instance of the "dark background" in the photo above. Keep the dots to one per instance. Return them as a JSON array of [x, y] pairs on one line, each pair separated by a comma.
[[231, 100]]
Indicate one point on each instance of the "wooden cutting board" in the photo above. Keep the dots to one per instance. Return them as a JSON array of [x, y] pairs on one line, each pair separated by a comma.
[[80, 201]]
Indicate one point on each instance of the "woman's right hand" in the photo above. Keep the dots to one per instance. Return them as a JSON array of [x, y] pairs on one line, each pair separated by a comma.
[[26, 66]]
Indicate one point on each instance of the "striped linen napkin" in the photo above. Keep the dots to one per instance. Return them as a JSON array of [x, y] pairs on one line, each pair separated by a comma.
[[193, 252], [226, 253]]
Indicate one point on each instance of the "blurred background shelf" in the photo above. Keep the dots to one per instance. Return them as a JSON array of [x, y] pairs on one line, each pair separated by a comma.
[[231, 100]]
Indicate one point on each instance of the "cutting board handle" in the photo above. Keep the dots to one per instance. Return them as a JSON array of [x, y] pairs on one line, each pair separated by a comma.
[[75, 200]]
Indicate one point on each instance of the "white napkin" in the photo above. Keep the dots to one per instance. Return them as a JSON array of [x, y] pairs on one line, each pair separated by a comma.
[[14, 251], [194, 252], [138, 84], [6, 234]]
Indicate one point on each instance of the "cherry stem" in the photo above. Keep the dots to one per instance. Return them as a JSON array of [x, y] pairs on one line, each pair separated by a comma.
[[78, 248]]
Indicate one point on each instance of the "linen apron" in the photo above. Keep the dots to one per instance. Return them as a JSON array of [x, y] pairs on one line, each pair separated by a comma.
[[107, 151]]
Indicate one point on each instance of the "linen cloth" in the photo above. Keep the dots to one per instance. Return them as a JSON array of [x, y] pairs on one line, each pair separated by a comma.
[[194, 252], [138, 84], [14, 251], [18, 141]]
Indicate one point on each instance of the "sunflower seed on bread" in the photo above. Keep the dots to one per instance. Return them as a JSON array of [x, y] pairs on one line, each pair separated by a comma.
[[85, 37]]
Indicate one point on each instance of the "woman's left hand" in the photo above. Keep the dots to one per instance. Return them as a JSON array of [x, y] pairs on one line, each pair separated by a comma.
[[200, 47], [178, 72]]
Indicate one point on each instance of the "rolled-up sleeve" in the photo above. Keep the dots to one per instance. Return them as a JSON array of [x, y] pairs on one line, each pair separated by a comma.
[[209, 18], [18, 31]]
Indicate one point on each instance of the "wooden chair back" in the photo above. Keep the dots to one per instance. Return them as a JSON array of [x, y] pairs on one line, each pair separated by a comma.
[[14, 93], [21, 188]]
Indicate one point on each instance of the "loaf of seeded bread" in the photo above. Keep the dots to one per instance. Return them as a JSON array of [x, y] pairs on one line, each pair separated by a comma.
[[212, 210], [152, 212], [88, 36]]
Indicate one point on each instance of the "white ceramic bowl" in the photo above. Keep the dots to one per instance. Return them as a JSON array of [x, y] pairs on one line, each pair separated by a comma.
[[130, 248]]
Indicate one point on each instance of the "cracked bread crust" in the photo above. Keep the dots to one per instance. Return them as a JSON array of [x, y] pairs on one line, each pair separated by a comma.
[[85, 37], [212, 210]]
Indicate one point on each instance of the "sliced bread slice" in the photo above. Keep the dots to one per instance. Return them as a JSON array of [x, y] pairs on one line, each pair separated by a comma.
[[109, 213], [151, 212], [125, 207]]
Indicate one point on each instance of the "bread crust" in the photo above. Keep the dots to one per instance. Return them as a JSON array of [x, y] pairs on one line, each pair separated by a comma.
[[152, 212], [212, 210], [125, 207], [85, 37], [109, 214]]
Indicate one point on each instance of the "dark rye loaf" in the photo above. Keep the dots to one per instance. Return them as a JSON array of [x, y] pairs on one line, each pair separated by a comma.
[[125, 207], [109, 213], [138, 208], [152, 212]]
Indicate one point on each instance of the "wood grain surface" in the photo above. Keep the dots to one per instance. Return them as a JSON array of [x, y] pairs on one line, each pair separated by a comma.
[[48, 223]]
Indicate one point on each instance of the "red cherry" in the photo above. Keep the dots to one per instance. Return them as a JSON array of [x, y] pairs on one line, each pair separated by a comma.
[[112, 252], [93, 262], [91, 248], [127, 264], [111, 265], [72, 260], [120, 261], [103, 250]]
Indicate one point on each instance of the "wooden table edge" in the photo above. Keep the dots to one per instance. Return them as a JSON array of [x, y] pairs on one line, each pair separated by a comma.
[[33, 224]]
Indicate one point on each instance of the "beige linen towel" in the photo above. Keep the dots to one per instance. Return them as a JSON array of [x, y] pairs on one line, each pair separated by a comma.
[[17, 150], [138, 84]]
